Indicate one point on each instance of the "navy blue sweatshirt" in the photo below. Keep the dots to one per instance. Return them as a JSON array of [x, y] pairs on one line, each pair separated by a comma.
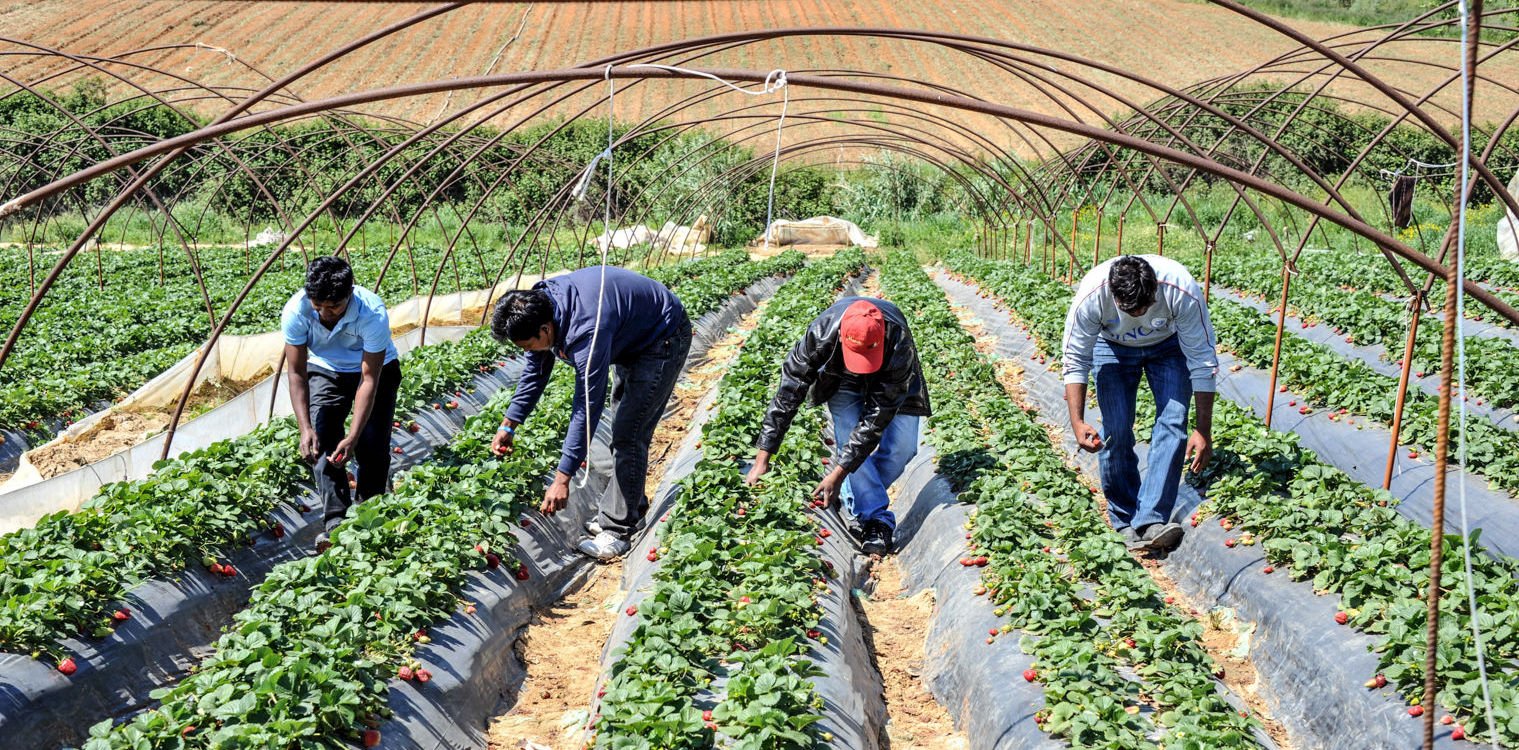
[[637, 313]]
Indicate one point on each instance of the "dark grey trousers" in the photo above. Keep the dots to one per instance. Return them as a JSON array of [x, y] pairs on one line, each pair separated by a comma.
[[642, 391], [331, 400]]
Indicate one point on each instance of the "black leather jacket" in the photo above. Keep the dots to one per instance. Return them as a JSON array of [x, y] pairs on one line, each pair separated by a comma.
[[816, 361]]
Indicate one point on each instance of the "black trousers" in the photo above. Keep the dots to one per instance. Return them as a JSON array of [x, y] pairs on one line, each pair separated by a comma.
[[331, 400], [643, 389]]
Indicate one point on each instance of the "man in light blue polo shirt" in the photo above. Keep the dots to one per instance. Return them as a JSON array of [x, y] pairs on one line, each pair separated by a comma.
[[341, 358]]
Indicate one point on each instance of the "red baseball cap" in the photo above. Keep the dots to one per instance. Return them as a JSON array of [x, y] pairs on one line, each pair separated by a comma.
[[862, 332]]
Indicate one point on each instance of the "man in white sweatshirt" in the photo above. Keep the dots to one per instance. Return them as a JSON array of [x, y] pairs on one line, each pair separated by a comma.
[[1142, 315]]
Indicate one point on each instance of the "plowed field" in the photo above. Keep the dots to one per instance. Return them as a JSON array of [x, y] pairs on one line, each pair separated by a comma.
[[1170, 41]]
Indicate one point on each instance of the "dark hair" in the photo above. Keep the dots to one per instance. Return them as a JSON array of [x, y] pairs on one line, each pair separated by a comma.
[[328, 279], [520, 313], [1132, 282]]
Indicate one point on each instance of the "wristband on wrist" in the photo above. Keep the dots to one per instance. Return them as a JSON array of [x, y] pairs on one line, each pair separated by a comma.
[[507, 429]]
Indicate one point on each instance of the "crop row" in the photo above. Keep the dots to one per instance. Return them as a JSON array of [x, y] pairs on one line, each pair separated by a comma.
[[1054, 568], [734, 599], [1366, 318], [308, 662], [1315, 523]]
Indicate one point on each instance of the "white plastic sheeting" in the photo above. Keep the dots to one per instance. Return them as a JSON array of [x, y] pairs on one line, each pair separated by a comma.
[[819, 230], [1508, 227]]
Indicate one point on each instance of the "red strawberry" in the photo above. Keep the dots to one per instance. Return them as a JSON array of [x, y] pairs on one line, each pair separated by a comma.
[[706, 715], [819, 541], [405, 673], [278, 531], [522, 573], [1292, 403], [981, 562], [1030, 675], [1380, 680], [1268, 570], [631, 610], [1129, 642], [825, 460], [1459, 733], [993, 631], [437, 406], [1170, 600], [1415, 711], [813, 633], [743, 600], [1341, 617], [396, 450], [121, 615], [423, 675], [228, 570], [187, 731], [1447, 719], [824, 533], [740, 512], [413, 427], [371, 738], [492, 561], [66, 667], [452, 404], [653, 556], [1229, 542], [396, 425], [527, 523]]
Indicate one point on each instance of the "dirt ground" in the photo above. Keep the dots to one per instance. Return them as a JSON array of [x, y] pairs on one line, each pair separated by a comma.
[[120, 430], [551, 708], [897, 624]]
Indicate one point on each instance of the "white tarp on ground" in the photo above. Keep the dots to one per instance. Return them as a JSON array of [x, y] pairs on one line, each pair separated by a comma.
[[1508, 227], [671, 236], [818, 230], [27, 496]]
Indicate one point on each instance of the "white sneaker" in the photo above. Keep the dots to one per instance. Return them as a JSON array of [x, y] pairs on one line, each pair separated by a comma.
[[604, 546]]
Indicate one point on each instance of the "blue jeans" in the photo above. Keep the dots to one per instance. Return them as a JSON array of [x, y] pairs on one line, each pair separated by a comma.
[[1116, 369], [864, 492]]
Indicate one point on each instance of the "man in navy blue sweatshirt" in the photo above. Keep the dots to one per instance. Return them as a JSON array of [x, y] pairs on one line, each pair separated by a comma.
[[597, 318]]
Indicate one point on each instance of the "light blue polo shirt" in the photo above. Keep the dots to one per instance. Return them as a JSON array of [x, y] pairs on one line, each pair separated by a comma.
[[364, 327]]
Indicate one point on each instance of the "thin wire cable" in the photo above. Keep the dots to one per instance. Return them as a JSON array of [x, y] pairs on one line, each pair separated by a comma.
[[776, 161], [601, 287], [1460, 323]]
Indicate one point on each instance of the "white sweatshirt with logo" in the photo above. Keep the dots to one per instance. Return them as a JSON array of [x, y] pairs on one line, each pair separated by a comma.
[[1178, 311]]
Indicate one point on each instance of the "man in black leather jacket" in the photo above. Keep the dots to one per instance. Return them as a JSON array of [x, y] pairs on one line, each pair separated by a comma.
[[858, 358]]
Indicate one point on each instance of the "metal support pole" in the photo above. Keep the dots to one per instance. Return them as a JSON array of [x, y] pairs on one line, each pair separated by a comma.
[[1276, 352], [1070, 263], [1028, 245], [1160, 239], [1207, 271], [1437, 522], [1097, 243], [1397, 412]]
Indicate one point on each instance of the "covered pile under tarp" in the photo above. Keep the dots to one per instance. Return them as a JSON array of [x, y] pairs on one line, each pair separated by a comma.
[[690, 240], [818, 230]]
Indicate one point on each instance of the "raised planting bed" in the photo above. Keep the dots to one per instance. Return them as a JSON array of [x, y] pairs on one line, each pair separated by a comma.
[[726, 647], [1336, 550], [1118, 665]]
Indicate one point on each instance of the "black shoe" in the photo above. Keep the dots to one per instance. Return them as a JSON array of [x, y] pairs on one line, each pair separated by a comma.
[[1161, 537], [877, 539]]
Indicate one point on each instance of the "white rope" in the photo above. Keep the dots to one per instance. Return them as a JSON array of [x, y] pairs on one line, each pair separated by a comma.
[[601, 287], [774, 81], [1460, 322]]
